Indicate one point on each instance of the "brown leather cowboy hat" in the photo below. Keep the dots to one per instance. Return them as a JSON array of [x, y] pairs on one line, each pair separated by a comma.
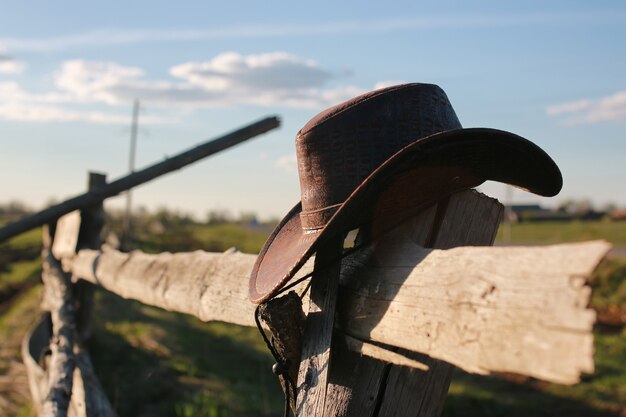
[[381, 157]]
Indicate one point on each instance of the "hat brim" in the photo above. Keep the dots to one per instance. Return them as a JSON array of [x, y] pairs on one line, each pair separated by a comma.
[[418, 175]]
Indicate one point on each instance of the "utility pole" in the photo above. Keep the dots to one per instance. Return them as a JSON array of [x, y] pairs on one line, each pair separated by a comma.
[[131, 168], [508, 214]]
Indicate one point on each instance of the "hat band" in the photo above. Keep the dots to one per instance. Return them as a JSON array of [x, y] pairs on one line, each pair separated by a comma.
[[317, 219]]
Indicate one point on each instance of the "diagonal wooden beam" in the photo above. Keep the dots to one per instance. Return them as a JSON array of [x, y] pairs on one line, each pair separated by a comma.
[[127, 182]]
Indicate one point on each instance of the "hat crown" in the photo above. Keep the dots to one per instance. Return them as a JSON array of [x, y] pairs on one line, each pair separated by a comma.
[[342, 146]]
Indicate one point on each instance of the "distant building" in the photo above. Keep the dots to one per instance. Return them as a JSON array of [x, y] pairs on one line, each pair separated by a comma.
[[619, 215], [520, 210], [549, 216], [591, 215], [536, 213]]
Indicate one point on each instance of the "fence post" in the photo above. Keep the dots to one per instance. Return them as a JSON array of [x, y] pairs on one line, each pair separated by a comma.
[[92, 220], [363, 387], [315, 359]]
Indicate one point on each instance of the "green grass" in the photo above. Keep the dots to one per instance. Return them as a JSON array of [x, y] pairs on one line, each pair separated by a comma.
[[31, 238], [20, 267], [19, 259], [20, 315], [210, 238], [224, 236], [560, 232], [153, 362], [600, 394], [609, 284], [19, 273]]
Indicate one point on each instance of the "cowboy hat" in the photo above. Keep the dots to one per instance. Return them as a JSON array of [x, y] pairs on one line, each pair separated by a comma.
[[381, 157]]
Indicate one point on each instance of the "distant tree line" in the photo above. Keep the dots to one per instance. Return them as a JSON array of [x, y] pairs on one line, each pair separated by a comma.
[[13, 210]]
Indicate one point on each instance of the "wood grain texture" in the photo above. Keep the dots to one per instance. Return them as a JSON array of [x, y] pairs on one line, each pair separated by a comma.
[[57, 300], [316, 355], [59, 371], [210, 286], [35, 347], [383, 353], [89, 237], [465, 218], [454, 305], [284, 318], [88, 398], [357, 384], [66, 235], [520, 311]]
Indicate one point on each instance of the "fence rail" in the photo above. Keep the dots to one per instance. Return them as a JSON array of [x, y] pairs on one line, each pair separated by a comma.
[[385, 298]]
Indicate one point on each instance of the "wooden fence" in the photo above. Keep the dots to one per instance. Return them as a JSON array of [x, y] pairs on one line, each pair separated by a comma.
[[406, 315], [380, 331]]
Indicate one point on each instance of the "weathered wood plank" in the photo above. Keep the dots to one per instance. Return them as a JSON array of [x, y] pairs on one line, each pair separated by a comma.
[[65, 240], [89, 237], [57, 300], [467, 218], [357, 384], [538, 300], [383, 354], [510, 310], [284, 318], [315, 358], [210, 286], [59, 371], [88, 398], [35, 347]]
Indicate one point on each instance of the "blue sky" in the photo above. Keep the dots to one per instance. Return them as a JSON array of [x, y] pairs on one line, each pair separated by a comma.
[[554, 72]]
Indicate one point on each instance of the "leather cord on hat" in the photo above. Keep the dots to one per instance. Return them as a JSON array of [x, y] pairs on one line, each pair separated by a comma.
[[280, 367]]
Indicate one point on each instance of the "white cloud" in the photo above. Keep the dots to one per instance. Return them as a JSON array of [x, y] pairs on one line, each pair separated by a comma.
[[268, 79], [276, 79], [19, 105], [610, 108], [268, 71], [9, 65], [94, 81], [287, 163], [11, 92], [571, 107]]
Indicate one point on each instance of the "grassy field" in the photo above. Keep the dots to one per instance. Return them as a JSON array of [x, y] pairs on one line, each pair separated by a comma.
[[155, 363], [210, 238], [20, 268], [174, 364], [600, 394], [558, 232], [609, 284], [19, 263]]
